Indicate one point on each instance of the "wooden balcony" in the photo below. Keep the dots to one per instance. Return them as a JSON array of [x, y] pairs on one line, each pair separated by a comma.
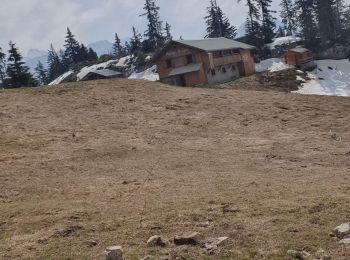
[[219, 61]]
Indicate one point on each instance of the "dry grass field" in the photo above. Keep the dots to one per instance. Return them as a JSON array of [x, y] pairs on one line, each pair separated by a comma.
[[118, 161]]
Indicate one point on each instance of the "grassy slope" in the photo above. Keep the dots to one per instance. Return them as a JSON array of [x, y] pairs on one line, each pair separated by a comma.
[[119, 161]]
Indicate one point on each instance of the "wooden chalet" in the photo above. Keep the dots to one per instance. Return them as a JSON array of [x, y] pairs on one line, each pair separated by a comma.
[[201, 62], [300, 57]]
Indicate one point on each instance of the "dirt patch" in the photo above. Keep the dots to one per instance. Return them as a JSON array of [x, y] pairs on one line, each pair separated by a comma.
[[282, 81], [128, 159]]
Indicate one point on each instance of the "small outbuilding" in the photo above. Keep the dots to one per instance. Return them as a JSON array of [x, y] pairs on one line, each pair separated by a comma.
[[300, 57], [103, 74], [207, 61]]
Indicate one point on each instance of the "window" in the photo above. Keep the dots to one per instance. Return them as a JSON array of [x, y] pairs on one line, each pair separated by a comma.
[[189, 59], [226, 53], [168, 63], [213, 73]]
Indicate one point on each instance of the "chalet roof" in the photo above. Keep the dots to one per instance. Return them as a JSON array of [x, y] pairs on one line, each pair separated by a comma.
[[299, 50], [106, 73], [185, 69], [208, 45], [215, 44]]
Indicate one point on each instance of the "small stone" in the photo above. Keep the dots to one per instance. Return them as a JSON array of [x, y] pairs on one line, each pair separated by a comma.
[[188, 239], [91, 243], [114, 253], [322, 255], [155, 241], [165, 257], [215, 242], [342, 231], [345, 241], [147, 257], [298, 254]]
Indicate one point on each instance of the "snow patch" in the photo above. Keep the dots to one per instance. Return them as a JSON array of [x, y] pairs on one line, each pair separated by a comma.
[[283, 40], [272, 65], [331, 77], [61, 78], [149, 74]]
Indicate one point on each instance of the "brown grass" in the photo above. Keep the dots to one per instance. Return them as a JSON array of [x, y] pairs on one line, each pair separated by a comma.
[[119, 161]]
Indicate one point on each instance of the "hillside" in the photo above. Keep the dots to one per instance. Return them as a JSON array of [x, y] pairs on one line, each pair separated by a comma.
[[118, 161]]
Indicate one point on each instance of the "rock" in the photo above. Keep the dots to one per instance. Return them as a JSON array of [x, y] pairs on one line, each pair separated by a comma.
[[114, 253], [345, 241], [147, 257], [188, 239], [91, 243], [165, 257], [322, 255], [342, 231], [155, 241], [215, 242], [298, 254]]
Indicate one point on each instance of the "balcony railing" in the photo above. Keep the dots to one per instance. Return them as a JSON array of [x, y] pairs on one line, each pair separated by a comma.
[[219, 61]]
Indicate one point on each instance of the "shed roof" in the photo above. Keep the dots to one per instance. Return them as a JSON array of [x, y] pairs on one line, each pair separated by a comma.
[[215, 44], [299, 50], [185, 69], [107, 73]]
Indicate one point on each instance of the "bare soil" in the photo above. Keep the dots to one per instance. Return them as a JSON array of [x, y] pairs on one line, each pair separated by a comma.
[[119, 161]]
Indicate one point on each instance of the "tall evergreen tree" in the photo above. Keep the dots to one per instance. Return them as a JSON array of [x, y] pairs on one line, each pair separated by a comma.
[[72, 50], [154, 30], [117, 47], [307, 22], [18, 74], [289, 14], [326, 20], [253, 31], [83, 53], [135, 41], [268, 24], [168, 36], [2, 66], [55, 64], [218, 24], [41, 74]]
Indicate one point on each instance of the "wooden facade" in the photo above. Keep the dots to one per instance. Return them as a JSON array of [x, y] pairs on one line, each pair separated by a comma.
[[301, 58], [185, 65]]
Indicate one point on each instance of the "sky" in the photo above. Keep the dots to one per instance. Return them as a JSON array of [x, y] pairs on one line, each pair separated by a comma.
[[35, 24]]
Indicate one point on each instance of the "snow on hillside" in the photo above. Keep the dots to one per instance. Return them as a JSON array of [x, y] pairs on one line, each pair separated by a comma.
[[273, 64], [283, 40], [149, 74], [61, 78], [332, 77]]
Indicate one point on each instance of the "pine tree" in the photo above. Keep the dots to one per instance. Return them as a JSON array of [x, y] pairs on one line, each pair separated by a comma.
[[72, 51], [83, 53], [218, 24], [253, 30], [153, 34], [18, 74], [135, 42], [92, 55], [326, 20], [168, 36], [268, 24], [2, 66], [118, 49], [307, 22], [288, 14], [55, 65], [41, 74]]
